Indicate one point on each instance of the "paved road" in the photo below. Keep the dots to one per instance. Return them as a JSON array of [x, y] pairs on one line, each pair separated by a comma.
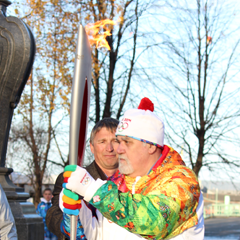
[[222, 228]]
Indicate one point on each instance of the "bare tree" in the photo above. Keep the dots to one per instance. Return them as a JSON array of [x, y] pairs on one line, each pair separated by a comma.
[[117, 70], [31, 140], [199, 75]]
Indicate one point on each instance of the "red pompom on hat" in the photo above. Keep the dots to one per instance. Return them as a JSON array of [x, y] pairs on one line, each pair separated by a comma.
[[146, 104]]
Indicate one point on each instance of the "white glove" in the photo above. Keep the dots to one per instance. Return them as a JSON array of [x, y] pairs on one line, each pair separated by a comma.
[[81, 182]]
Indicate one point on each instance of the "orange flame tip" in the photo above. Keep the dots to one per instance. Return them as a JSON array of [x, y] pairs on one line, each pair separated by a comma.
[[95, 34]]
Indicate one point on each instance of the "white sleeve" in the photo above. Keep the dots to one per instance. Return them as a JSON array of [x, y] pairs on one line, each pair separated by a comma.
[[91, 225], [95, 185], [7, 224]]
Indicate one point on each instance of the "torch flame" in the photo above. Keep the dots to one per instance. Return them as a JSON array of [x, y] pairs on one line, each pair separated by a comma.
[[209, 40], [98, 31]]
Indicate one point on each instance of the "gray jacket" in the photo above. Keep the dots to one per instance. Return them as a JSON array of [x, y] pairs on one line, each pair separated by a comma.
[[8, 229]]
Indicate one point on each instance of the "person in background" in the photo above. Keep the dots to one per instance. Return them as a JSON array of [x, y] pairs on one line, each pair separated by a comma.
[[8, 229], [42, 209], [103, 145]]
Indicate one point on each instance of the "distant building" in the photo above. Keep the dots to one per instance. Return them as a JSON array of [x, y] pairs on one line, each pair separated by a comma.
[[214, 191], [24, 181]]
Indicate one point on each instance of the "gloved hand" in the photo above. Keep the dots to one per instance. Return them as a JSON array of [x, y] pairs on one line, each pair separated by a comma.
[[78, 180], [69, 202]]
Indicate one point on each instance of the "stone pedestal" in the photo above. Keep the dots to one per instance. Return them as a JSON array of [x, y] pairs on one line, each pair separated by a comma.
[[29, 224]]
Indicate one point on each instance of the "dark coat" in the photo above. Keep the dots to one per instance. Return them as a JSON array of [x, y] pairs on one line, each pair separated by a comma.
[[54, 214]]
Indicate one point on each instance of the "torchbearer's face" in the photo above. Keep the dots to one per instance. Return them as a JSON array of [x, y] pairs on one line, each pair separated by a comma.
[[104, 148], [133, 156]]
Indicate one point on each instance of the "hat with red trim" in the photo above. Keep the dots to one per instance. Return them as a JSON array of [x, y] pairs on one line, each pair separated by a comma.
[[142, 124]]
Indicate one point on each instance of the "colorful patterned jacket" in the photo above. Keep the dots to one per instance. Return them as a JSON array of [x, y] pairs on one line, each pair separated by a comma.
[[165, 204]]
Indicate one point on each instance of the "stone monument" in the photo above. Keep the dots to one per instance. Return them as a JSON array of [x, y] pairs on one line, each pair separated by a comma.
[[17, 50]]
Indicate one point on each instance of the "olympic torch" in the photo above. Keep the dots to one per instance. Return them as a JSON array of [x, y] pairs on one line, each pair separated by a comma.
[[79, 111]]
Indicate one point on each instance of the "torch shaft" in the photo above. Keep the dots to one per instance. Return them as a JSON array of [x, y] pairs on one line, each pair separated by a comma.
[[73, 230], [80, 101]]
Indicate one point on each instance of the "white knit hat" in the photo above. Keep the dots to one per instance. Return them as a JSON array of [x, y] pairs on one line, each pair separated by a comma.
[[142, 124]]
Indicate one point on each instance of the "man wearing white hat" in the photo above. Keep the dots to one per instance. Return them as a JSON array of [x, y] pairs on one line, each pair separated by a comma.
[[153, 195]]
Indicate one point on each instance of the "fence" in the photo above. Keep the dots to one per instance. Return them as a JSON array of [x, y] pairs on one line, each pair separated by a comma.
[[222, 210]]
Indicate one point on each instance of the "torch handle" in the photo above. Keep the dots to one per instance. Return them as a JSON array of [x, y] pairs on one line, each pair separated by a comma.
[[73, 225], [73, 230]]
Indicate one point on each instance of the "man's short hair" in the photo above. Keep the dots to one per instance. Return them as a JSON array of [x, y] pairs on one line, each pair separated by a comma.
[[109, 123], [47, 189]]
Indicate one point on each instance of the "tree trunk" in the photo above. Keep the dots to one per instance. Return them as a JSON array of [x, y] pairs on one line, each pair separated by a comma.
[[38, 190]]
